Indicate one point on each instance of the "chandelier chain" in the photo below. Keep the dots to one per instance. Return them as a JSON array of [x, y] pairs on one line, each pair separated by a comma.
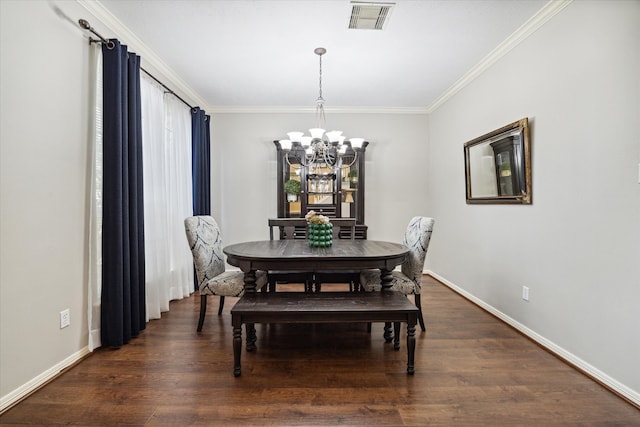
[[320, 117], [320, 79], [318, 150]]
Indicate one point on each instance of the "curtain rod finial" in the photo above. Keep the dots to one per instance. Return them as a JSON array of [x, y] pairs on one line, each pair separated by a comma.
[[84, 24]]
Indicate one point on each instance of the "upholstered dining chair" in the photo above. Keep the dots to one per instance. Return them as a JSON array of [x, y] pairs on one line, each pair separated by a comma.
[[205, 242], [409, 279]]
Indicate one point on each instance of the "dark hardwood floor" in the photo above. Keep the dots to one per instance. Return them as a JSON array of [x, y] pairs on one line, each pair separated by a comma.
[[471, 369]]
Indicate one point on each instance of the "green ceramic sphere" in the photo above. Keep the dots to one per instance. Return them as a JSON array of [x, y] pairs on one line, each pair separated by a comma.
[[320, 235]]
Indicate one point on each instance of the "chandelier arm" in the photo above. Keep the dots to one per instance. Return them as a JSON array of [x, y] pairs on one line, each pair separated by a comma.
[[310, 158], [327, 158], [355, 157], [333, 157], [286, 157], [296, 165]]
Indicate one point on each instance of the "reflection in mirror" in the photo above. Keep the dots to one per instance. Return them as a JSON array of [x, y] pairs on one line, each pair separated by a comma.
[[498, 166]]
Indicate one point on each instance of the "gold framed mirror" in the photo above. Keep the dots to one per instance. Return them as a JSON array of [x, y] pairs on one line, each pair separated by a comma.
[[498, 166]]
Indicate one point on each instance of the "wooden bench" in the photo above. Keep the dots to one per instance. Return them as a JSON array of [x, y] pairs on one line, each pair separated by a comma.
[[324, 307]]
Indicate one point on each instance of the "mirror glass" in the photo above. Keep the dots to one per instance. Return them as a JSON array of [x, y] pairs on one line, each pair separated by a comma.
[[498, 165]]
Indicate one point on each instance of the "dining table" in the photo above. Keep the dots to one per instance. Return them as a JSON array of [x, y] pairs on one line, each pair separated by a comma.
[[297, 255]]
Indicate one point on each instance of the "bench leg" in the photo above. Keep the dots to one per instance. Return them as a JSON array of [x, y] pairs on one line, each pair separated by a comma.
[[237, 349], [251, 336], [411, 347]]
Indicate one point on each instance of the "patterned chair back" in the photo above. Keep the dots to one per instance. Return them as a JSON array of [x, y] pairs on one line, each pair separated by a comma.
[[416, 238], [203, 235]]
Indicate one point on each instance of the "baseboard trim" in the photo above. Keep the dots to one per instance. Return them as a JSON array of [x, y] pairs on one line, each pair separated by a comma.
[[600, 377], [9, 400]]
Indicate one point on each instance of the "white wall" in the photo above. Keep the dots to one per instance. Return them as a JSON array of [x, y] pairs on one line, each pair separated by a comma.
[[244, 165], [577, 247], [43, 187]]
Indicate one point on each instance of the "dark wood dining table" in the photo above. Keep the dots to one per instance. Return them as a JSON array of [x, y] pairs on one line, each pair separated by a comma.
[[297, 255]]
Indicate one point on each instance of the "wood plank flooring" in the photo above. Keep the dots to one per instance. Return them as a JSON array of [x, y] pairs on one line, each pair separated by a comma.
[[471, 369]]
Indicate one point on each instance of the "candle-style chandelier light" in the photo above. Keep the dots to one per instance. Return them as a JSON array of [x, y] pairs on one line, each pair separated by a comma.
[[320, 146]]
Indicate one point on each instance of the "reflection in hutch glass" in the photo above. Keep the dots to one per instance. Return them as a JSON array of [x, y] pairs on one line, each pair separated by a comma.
[[498, 166], [293, 207]]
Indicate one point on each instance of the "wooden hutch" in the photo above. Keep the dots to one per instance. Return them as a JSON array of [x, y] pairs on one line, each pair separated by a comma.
[[335, 191]]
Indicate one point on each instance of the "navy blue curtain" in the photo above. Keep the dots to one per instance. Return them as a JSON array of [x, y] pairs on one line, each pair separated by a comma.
[[200, 166], [201, 162], [123, 275]]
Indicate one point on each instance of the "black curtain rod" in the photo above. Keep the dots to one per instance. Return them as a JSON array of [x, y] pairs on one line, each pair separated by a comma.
[[110, 45], [169, 90]]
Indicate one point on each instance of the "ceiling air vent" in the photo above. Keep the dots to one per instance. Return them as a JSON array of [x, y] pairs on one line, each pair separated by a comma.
[[369, 16]]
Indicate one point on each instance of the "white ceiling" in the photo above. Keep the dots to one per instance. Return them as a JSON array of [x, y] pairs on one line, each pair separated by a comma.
[[252, 53]]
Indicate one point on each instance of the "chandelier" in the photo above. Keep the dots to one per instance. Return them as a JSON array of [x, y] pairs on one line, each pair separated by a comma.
[[320, 146]]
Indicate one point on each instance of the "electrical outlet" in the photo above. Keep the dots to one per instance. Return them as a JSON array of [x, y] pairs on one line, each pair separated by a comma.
[[525, 293], [65, 318]]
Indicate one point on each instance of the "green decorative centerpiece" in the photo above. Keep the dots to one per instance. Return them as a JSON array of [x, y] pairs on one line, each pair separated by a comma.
[[319, 230]]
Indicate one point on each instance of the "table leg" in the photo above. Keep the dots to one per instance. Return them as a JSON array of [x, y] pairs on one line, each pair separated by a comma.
[[411, 346], [388, 335], [385, 279], [250, 288], [237, 349], [250, 281]]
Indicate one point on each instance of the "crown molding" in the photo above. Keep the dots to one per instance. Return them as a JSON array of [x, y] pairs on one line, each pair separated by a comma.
[[536, 21], [312, 110], [148, 57]]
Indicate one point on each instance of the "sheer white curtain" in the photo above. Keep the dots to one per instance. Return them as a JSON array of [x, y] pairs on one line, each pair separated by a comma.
[[178, 140], [166, 151], [95, 213]]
